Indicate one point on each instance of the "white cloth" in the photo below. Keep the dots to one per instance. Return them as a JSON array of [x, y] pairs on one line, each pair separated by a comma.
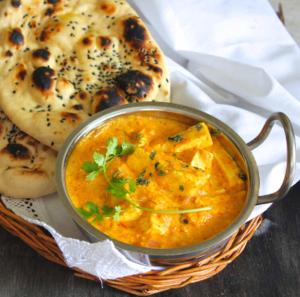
[[232, 59]]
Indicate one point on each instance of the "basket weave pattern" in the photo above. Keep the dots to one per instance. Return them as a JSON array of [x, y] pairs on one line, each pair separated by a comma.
[[143, 284]]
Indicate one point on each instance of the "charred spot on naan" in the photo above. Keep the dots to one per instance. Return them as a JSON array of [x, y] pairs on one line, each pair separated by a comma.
[[50, 30], [41, 53], [43, 78], [32, 24], [135, 33], [15, 3], [135, 84], [82, 95], [8, 53], [2, 129], [104, 41], [106, 98], [157, 70], [34, 171], [108, 7], [22, 74], [87, 41], [70, 117], [17, 151], [78, 107], [53, 1], [49, 12], [16, 37]]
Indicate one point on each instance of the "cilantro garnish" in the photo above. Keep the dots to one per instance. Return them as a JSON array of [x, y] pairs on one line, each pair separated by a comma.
[[159, 170], [215, 132], [121, 187], [152, 155], [176, 138], [141, 180], [91, 211], [199, 126]]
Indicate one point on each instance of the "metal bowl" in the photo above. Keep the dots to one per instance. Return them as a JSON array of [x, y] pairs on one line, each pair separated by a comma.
[[183, 254]]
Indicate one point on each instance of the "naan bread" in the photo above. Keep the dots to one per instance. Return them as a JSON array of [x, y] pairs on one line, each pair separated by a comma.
[[63, 60], [27, 167]]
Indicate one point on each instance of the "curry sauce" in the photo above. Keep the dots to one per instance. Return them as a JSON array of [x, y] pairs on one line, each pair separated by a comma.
[[174, 166]]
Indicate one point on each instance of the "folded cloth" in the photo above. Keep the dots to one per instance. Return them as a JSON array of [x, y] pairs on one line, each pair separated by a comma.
[[232, 59]]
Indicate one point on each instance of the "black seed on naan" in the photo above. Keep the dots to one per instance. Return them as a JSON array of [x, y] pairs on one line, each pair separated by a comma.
[[52, 1], [41, 53], [107, 98], [18, 151], [135, 84], [42, 78], [16, 37], [15, 3], [134, 33]]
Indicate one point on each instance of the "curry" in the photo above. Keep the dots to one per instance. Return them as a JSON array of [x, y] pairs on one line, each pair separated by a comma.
[[157, 182]]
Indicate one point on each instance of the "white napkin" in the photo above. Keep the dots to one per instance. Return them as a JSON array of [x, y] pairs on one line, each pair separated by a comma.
[[232, 59]]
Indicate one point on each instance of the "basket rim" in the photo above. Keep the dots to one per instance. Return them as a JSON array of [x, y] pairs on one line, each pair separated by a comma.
[[145, 284]]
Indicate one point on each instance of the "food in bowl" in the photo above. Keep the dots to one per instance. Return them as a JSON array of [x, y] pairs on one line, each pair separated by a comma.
[[157, 182]]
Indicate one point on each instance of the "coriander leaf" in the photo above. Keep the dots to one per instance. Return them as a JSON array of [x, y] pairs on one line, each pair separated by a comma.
[[107, 211], [111, 147], [199, 126], [159, 170], [118, 181], [92, 207], [117, 212], [175, 138], [89, 167], [152, 155], [126, 148], [99, 159], [92, 175], [84, 213], [161, 173], [215, 132], [117, 187], [117, 190], [98, 218], [243, 176], [141, 180], [181, 188], [132, 185]]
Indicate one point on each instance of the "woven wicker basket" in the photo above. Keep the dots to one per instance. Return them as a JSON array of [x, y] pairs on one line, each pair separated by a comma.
[[142, 284]]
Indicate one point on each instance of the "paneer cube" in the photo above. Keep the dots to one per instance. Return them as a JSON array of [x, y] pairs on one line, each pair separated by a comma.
[[227, 165], [202, 160], [196, 137], [139, 160]]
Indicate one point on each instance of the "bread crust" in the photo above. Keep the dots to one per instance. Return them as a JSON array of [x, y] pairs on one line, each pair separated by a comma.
[[62, 61], [27, 167]]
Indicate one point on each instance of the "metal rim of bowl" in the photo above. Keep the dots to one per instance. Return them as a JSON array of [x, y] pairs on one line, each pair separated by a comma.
[[100, 118]]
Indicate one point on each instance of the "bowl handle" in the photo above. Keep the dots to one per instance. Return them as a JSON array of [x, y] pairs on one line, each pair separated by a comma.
[[291, 154]]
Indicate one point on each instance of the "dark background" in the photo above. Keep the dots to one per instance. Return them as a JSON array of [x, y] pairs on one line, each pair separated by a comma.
[[269, 267]]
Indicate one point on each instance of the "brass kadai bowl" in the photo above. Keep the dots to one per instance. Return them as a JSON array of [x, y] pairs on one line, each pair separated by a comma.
[[187, 115]]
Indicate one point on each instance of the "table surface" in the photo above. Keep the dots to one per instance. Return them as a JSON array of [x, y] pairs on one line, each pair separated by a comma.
[[269, 267]]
